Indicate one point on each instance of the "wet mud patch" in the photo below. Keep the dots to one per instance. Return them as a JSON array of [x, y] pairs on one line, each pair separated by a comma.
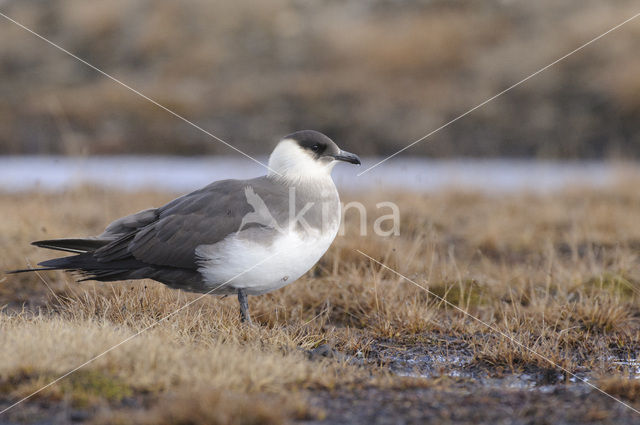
[[458, 389], [453, 358], [428, 359]]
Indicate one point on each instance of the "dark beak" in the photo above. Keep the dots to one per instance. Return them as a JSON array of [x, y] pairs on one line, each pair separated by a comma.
[[347, 157]]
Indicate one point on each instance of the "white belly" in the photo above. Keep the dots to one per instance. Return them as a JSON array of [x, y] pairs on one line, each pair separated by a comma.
[[259, 267]]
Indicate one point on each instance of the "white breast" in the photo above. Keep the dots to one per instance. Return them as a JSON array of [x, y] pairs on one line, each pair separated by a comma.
[[250, 263]]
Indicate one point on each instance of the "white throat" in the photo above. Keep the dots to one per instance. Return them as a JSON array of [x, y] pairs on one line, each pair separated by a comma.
[[290, 162]]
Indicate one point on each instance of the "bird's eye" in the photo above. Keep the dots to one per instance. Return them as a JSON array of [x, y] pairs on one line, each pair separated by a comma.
[[315, 148]]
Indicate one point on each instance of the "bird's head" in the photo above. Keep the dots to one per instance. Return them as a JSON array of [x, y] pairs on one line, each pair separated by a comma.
[[307, 154]]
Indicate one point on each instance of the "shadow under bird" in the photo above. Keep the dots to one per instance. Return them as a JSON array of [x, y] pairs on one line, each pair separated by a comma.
[[247, 237]]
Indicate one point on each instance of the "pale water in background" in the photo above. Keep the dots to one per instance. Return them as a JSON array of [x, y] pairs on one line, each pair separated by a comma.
[[181, 174]]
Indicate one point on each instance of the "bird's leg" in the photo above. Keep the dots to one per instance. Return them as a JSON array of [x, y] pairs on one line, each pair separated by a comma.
[[244, 306]]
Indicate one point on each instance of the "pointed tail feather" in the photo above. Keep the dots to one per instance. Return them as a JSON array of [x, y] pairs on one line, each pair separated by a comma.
[[30, 270], [63, 263], [77, 246]]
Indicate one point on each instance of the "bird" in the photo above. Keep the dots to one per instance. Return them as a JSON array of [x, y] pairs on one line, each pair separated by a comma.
[[243, 237]]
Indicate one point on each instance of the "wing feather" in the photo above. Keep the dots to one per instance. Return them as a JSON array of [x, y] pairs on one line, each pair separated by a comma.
[[170, 235]]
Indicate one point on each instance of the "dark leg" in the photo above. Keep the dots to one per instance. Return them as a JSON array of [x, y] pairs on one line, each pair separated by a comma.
[[244, 307]]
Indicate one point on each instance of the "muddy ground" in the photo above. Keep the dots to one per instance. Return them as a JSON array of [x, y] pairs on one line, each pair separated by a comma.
[[464, 394], [454, 390]]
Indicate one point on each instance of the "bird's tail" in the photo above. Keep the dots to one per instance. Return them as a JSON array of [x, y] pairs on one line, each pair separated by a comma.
[[91, 269], [88, 267], [77, 246]]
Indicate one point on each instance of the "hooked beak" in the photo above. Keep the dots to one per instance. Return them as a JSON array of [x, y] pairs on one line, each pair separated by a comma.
[[347, 157]]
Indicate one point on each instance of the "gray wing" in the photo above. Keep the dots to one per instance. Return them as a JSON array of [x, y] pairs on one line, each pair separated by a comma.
[[130, 223], [169, 236]]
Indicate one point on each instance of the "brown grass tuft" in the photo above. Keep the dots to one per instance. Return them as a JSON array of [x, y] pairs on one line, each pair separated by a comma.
[[628, 389]]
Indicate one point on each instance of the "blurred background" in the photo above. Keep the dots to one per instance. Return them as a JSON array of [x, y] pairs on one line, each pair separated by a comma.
[[373, 75]]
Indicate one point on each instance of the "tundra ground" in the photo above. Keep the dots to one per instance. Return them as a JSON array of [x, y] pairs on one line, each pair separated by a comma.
[[550, 282]]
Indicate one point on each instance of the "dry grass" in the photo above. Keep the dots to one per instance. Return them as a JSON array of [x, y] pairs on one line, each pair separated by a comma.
[[628, 389], [213, 407], [557, 272]]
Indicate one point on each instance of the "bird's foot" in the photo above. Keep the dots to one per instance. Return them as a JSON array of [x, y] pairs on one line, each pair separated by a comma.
[[245, 319]]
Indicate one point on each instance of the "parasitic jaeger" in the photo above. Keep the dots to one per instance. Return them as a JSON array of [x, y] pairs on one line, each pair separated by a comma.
[[247, 237]]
